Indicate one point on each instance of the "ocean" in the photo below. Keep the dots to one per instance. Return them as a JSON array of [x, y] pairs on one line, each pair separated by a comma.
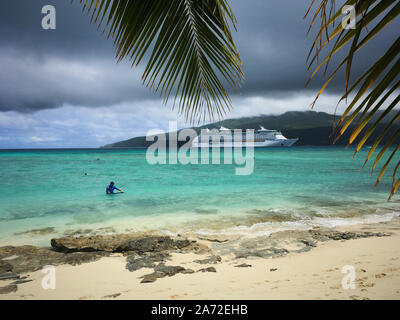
[[46, 194]]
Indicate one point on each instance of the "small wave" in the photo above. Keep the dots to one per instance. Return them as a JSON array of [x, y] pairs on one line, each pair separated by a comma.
[[267, 228], [372, 218]]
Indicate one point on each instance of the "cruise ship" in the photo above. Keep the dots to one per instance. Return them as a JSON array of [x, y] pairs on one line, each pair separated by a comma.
[[225, 138]]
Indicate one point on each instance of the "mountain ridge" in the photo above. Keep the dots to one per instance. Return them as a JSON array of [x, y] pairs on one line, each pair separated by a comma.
[[311, 127]]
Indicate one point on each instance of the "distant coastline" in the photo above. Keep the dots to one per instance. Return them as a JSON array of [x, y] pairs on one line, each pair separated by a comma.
[[311, 127]]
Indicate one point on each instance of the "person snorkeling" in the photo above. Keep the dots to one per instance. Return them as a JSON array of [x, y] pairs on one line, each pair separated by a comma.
[[111, 187]]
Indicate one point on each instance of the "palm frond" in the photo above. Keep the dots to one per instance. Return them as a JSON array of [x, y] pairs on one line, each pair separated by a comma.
[[375, 87], [188, 46]]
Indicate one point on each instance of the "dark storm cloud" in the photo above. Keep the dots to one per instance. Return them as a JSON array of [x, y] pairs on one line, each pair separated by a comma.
[[29, 83], [20, 28], [75, 65], [273, 43]]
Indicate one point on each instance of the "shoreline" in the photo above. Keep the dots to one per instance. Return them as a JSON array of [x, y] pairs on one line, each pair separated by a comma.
[[292, 264], [252, 223]]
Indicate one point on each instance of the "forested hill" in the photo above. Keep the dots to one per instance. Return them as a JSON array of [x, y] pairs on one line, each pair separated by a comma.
[[311, 127]]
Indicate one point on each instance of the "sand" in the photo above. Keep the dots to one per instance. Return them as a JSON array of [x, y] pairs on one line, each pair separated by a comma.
[[316, 274]]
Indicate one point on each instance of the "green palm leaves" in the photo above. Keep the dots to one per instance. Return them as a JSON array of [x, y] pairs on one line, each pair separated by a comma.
[[377, 88], [192, 54]]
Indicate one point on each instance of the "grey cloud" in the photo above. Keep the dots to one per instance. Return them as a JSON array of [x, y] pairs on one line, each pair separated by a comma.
[[30, 84], [75, 65], [273, 42], [20, 28]]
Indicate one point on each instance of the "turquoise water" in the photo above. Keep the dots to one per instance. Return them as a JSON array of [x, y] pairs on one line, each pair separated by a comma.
[[290, 188]]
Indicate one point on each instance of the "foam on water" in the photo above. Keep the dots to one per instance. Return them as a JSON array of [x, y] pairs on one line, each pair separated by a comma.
[[267, 228]]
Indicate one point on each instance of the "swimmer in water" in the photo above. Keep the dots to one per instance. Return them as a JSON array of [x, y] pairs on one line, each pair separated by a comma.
[[111, 187]]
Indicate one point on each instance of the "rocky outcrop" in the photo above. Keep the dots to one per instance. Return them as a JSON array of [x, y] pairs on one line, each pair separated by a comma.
[[168, 271], [22, 280], [118, 243], [327, 234], [161, 271], [90, 243], [140, 252], [262, 253], [30, 258], [146, 260], [244, 265], [5, 267], [111, 296], [210, 260], [152, 244], [281, 243], [8, 276], [8, 289], [151, 251], [209, 269], [309, 243]]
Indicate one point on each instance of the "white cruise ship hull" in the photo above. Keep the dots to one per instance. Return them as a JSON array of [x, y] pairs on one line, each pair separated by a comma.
[[263, 144]]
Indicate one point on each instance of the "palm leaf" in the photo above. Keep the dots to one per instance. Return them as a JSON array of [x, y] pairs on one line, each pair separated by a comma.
[[188, 46], [374, 87]]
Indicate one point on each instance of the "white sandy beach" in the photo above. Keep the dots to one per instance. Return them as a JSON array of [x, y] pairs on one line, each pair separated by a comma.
[[316, 274]]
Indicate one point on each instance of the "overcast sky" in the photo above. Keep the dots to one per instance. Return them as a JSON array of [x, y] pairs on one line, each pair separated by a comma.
[[63, 88]]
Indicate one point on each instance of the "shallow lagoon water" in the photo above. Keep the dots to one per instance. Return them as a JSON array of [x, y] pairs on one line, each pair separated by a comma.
[[290, 188]]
